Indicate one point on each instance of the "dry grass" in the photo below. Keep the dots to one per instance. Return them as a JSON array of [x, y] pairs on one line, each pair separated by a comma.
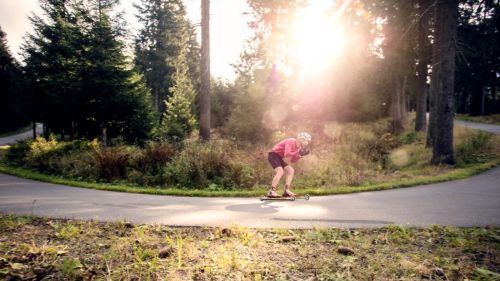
[[122, 251]]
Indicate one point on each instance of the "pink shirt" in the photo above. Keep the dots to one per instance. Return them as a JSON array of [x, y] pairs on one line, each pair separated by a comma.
[[287, 148]]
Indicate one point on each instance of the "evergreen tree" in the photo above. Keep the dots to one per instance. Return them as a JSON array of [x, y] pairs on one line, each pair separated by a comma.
[[424, 58], [178, 119], [11, 112], [157, 46], [116, 99], [53, 56], [81, 81], [478, 58]]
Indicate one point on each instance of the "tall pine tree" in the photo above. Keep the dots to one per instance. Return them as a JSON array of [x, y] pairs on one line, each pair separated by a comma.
[[157, 46], [178, 120], [81, 81], [11, 79], [53, 57], [116, 99]]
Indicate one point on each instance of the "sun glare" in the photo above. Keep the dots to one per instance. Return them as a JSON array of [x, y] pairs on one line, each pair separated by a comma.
[[318, 37]]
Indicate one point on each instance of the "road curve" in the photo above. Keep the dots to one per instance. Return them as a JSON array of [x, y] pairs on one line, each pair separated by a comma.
[[470, 202], [21, 136], [495, 129]]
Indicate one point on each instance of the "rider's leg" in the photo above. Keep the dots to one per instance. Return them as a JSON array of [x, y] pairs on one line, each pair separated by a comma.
[[288, 180], [278, 173]]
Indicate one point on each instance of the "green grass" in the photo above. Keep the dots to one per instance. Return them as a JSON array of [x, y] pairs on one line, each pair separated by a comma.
[[33, 248], [455, 174], [17, 131], [487, 119]]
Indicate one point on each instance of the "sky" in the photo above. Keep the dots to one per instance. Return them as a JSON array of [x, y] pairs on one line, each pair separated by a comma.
[[228, 28]]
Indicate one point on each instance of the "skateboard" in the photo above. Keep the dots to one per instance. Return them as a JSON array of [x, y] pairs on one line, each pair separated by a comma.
[[283, 198]]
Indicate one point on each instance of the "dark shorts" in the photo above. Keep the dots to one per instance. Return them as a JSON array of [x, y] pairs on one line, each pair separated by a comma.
[[275, 160]]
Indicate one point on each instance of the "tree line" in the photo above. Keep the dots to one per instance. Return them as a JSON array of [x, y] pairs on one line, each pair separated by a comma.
[[78, 79]]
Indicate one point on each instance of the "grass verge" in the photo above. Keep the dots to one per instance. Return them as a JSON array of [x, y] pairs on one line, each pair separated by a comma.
[[455, 174], [487, 119], [58, 249]]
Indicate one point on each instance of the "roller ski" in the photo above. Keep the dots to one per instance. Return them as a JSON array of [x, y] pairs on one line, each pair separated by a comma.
[[287, 196]]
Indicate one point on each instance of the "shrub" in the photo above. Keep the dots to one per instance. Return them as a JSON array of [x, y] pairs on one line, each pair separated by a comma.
[[17, 152], [79, 165], [49, 155], [111, 162], [202, 164], [154, 157], [148, 166], [409, 138], [474, 149]]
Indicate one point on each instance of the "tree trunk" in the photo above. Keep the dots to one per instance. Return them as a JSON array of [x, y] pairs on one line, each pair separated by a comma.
[[397, 124], [404, 98], [104, 136], [435, 79], [483, 97], [34, 130], [442, 145], [423, 61], [205, 71]]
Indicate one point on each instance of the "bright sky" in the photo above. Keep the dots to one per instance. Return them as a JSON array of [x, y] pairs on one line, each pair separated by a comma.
[[228, 27]]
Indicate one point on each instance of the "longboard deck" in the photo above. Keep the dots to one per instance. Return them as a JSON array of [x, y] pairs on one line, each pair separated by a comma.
[[282, 198]]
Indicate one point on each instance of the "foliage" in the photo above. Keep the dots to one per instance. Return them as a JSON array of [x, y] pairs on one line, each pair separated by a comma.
[[161, 38], [11, 80], [209, 164], [357, 155], [477, 58], [16, 153], [247, 122], [474, 149], [80, 82], [178, 119], [148, 166], [111, 162], [222, 99]]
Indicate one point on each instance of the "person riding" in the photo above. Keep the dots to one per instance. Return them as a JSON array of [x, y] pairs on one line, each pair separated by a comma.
[[291, 148]]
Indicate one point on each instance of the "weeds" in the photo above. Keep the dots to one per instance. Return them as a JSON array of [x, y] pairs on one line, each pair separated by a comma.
[[391, 253], [344, 154], [70, 267]]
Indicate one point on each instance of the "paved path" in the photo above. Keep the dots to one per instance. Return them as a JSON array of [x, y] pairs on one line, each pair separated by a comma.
[[21, 136], [471, 202], [495, 129]]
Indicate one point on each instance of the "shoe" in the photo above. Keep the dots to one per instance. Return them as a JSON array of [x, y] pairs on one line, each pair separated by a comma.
[[288, 193], [272, 193]]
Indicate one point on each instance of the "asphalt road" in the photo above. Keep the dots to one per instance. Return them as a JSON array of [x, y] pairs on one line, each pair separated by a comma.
[[495, 129], [470, 202], [21, 136]]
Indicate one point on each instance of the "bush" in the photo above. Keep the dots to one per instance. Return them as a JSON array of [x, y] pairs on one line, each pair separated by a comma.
[[201, 164], [17, 152], [474, 149], [45, 155], [111, 162], [79, 165], [148, 166]]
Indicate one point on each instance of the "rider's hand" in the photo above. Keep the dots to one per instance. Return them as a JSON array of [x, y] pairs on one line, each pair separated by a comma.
[[303, 151]]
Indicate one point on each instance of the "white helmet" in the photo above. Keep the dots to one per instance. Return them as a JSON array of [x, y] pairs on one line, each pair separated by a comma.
[[304, 136]]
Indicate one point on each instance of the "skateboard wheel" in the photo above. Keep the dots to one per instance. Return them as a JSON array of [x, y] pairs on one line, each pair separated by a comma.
[[306, 197]]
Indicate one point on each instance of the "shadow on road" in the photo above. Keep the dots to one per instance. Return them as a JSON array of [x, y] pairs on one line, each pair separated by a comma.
[[258, 208], [337, 221]]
